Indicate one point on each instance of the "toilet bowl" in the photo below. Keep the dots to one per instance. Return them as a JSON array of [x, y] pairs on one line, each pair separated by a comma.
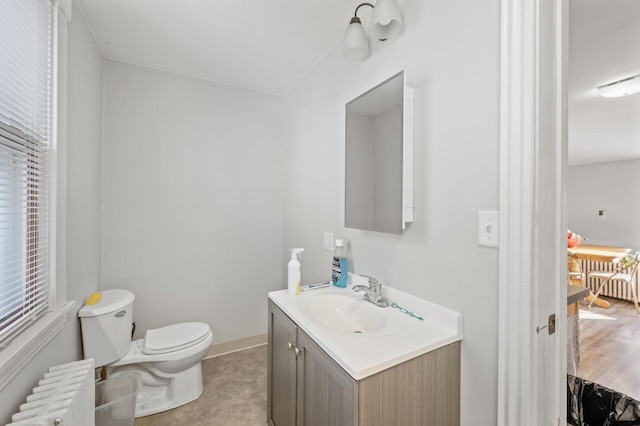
[[168, 359]]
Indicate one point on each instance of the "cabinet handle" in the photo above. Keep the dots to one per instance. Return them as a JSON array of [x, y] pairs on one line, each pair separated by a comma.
[[295, 348]]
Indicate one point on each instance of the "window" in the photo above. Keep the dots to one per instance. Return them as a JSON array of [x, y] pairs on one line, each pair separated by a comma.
[[25, 145]]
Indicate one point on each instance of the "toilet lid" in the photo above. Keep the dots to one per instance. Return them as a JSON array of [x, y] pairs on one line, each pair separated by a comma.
[[174, 337]]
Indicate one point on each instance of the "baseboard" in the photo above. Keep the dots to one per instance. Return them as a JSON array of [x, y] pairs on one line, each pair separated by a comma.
[[236, 345]]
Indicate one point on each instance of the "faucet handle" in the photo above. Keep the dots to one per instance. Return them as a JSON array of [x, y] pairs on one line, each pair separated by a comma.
[[374, 284]]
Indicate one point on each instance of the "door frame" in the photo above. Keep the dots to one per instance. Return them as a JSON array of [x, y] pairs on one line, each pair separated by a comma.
[[533, 162]]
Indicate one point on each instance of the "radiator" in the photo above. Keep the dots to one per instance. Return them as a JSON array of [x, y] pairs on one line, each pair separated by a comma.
[[65, 396], [616, 289]]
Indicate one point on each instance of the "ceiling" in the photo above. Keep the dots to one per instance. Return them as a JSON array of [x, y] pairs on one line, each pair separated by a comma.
[[262, 45], [269, 46], [604, 46]]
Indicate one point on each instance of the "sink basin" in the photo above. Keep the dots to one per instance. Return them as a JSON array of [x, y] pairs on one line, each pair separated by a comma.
[[351, 314]]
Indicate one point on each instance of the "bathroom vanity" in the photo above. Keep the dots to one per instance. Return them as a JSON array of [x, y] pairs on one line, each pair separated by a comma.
[[335, 359]]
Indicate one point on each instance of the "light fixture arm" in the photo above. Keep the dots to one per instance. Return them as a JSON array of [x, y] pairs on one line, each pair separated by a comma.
[[355, 18]]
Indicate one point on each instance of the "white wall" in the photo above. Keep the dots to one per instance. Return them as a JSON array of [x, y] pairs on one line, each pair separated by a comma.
[[450, 53], [611, 187], [83, 207], [387, 163], [84, 164], [359, 177], [192, 199]]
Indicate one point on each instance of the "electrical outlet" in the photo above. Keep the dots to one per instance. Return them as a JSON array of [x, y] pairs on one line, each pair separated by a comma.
[[328, 241], [488, 227], [602, 214]]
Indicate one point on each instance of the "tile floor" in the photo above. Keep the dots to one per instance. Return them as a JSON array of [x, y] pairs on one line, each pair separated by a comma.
[[235, 394]]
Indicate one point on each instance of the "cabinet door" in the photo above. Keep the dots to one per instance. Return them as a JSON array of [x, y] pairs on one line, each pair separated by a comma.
[[281, 404], [326, 393]]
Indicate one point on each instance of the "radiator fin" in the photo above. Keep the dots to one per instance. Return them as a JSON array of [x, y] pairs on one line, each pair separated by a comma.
[[65, 397]]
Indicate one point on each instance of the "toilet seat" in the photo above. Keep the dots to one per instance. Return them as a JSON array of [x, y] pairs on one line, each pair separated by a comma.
[[174, 337]]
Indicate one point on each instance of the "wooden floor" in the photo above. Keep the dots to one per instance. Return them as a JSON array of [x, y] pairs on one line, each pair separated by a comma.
[[610, 346]]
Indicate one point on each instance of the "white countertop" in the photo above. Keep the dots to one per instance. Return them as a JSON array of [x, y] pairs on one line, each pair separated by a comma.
[[362, 355]]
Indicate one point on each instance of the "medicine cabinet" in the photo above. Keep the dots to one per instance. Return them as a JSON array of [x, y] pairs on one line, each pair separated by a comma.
[[379, 158]]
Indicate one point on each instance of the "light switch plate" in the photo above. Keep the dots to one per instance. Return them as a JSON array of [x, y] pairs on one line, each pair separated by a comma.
[[328, 241], [488, 228]]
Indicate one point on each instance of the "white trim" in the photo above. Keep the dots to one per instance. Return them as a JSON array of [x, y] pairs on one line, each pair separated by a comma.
[[58, 201], [65, 8], [27, 344], [561, 217], [532, 149], [53, 294], [516, 195]]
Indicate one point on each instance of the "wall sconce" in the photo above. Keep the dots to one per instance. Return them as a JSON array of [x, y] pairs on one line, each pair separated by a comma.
[[387, 22], [626, 86]]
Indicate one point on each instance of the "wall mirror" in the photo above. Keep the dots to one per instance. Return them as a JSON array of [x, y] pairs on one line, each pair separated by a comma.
[[379, 158]]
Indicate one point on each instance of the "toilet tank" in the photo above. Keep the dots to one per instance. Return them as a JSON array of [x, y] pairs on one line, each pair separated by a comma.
[[106, 326]]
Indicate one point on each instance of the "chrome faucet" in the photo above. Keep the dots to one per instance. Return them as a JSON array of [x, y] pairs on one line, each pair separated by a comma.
[[372, 293]]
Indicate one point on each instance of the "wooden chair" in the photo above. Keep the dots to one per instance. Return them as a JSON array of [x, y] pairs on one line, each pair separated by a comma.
[[625, 272], [575, 275]]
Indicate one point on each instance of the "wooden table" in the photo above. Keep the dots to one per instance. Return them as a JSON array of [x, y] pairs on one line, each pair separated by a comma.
[[595, 253]]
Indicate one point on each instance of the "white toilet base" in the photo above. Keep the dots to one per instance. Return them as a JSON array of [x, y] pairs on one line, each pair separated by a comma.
[[161, 391]]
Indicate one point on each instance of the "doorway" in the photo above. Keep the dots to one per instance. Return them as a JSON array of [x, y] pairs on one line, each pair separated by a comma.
[[603, 154]]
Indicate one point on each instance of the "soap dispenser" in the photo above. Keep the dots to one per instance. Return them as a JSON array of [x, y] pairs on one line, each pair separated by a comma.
[[294, 272]]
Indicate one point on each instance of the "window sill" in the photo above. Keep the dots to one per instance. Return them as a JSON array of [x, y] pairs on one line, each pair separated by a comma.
[[26, 345]]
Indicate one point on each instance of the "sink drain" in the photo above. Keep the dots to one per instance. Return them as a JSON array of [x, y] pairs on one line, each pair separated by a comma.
[[358, 332]]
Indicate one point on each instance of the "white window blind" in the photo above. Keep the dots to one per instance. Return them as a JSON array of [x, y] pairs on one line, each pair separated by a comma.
[[25, 136]]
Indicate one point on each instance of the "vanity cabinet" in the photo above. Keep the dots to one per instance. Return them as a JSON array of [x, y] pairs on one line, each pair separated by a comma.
[[281, 376], [307, 387]]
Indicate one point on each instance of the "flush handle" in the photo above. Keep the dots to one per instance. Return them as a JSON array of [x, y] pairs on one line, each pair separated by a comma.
[[121, 314]]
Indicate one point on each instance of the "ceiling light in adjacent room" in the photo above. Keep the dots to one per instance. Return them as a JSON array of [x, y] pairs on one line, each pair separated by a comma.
[[625, 87]]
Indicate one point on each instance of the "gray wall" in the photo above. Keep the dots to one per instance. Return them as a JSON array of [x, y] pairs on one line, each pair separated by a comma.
[[450, 53], [611, 187], [83, 208], [192, 219]]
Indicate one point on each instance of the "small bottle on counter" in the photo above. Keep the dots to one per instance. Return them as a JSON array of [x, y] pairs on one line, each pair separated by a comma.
[[293, 267], [340, 269]]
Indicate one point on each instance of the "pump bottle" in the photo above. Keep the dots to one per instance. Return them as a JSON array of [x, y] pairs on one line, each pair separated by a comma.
[[294, 272]]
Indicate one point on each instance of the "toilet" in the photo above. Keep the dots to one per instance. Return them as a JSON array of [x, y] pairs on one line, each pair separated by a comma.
[[168, 359]]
